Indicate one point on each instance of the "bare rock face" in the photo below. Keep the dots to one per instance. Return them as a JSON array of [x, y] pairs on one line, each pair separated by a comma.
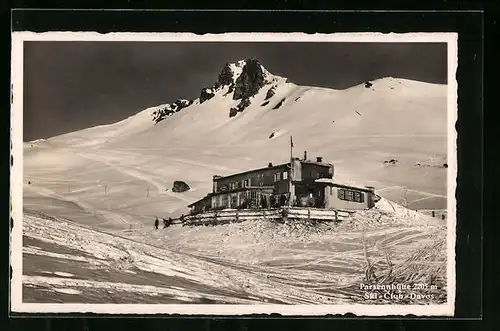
[[182, 103], [230, 89], [250, 81], [270, 92], [170, 109], [225, 76], [180, 186], [244, 103], [233, 112], [206, 94], [279, 104]]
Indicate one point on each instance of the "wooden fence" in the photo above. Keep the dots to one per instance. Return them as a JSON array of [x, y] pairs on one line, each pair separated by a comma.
[[226, 216]]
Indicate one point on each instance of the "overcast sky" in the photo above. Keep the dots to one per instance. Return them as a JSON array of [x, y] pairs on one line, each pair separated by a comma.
[[74, 85]]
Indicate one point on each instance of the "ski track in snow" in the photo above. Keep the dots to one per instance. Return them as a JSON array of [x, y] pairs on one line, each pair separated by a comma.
[[305, 276], [135, 172], [111, 249], [103, 214]]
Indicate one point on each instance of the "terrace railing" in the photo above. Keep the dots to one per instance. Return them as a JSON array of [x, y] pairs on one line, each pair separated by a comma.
[[284, 214]]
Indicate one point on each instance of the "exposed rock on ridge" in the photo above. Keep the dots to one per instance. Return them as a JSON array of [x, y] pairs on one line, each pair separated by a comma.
[[170, 109], [206, 94], [250, 81], [225, 76], [244, 103], [243, 80]]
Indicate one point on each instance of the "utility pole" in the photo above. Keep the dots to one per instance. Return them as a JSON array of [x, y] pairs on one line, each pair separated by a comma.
[[290, 175]]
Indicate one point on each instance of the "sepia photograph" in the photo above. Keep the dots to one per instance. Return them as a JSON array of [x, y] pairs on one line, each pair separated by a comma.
[[234, 174]]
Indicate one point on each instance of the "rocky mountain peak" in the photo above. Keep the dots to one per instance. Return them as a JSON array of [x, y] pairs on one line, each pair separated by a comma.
[[250, 81], [243, 80], [226, 75]]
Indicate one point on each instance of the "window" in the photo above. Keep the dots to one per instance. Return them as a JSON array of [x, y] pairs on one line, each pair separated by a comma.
[[285, 175], [341, 194], [234, 200], [254, 198], [277, 177], [351, 195], [246, 183]]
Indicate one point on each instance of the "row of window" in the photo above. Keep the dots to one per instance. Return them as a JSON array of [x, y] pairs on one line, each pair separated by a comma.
[[349, 195], [246, 183], [280, 175], [231, 200]]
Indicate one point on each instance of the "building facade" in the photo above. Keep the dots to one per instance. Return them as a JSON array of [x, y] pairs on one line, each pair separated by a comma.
[[301, 183], [345, 197]]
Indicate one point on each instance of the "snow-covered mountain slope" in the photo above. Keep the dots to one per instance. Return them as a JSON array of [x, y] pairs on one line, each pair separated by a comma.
[[125, 171]]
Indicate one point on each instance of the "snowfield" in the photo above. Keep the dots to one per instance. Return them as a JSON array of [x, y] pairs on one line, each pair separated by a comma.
[[90, 197], [247, 263]]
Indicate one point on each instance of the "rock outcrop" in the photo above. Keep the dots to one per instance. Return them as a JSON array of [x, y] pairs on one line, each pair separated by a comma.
[[244, 103], [271, 92], [225, 76], [170, 109], [242, 79], [180, 186], [250, 81], [206, 94], [279, 104]]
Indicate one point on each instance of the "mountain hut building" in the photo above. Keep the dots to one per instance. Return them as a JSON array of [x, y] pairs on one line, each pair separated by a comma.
[[299, 183]]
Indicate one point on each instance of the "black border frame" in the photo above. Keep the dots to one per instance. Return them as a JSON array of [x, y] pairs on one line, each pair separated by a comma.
[[468, 24]]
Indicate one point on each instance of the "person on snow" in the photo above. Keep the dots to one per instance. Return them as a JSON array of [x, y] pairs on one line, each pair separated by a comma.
[[165, 224], [157, 223]]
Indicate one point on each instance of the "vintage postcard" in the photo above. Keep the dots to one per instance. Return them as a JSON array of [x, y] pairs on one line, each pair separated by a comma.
[[234, 174]]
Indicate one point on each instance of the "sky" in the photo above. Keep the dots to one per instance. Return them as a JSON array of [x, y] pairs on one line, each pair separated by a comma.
[[69, 86]]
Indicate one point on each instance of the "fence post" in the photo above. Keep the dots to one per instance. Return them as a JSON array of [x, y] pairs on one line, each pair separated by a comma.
[[284, 214], [215, 217], [336, 216], [237, 216], [308, 214], [264, 214]]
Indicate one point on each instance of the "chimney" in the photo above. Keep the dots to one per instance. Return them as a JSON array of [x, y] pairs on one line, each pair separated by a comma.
[[305, 155], [319, 159], [270, 165], [371, 188], [214, 184]]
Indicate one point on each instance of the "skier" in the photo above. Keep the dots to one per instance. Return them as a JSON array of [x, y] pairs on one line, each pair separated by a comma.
[[156, 223], [165, 224]]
